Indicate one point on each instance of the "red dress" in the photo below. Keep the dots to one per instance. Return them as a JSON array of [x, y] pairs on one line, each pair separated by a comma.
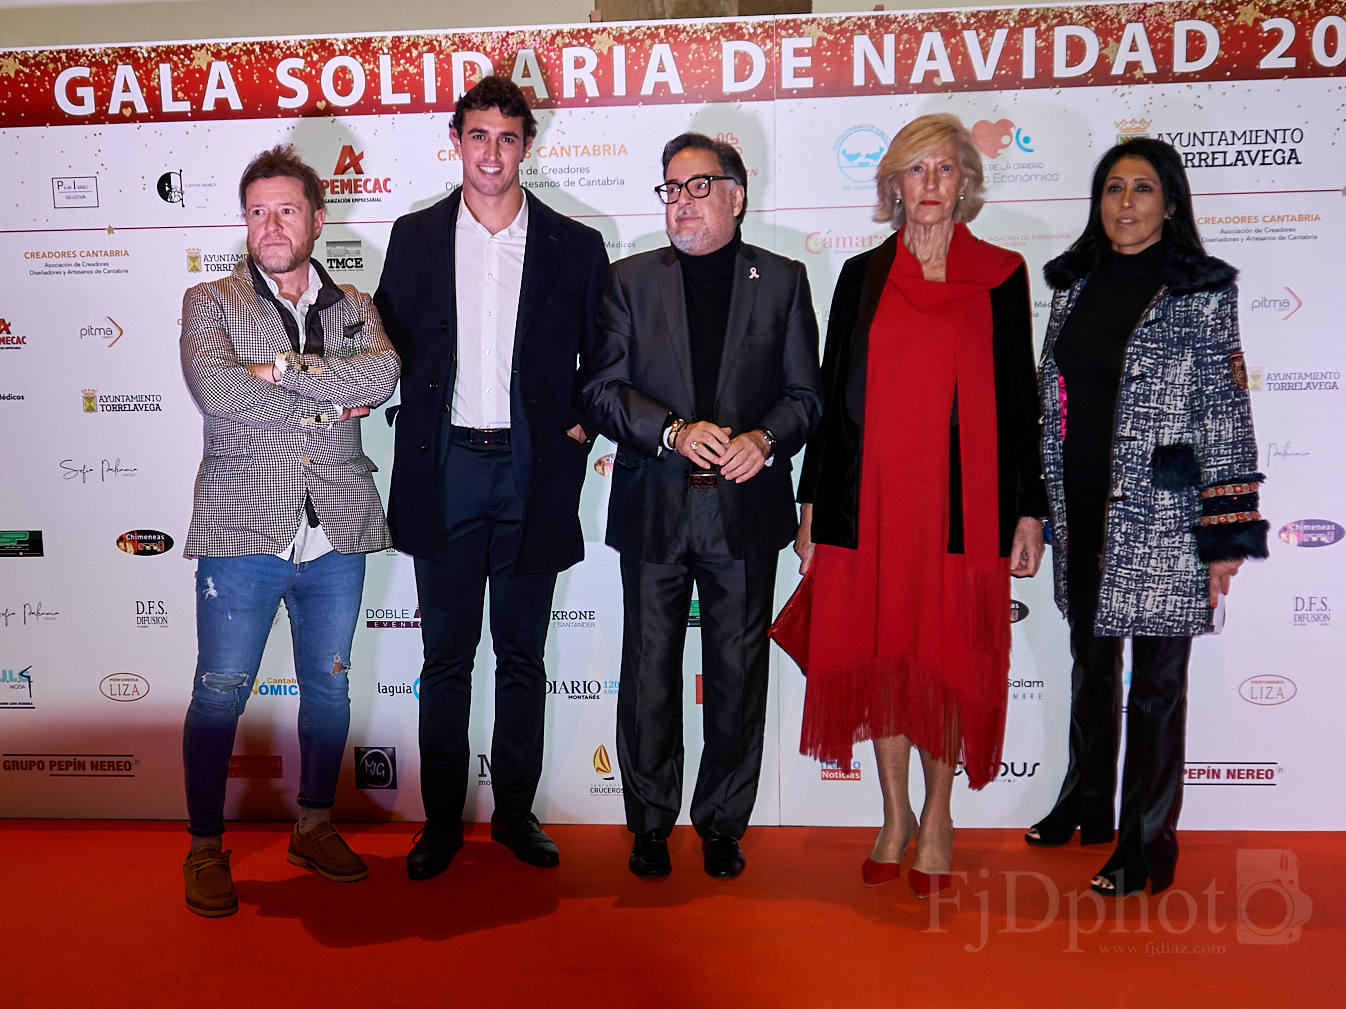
[[906, 638]]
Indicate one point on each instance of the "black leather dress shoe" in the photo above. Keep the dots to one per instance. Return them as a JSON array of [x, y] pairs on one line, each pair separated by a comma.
[[432, 850], [724, 858], [649, 855], [523, 836]]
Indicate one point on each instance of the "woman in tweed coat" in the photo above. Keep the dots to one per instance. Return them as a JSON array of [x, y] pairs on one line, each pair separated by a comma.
[[1151, 461]]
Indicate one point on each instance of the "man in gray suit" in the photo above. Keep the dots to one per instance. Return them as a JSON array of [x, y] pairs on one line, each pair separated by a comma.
[[706, 376], [282, 363]]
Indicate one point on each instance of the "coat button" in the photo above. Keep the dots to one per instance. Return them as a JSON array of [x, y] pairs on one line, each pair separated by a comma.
[[304, 460], [444, 325], [425, 446], [434, 384]]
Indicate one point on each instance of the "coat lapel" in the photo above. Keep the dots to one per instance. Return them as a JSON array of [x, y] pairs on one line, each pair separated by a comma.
[[743, 295], [543, 253], [675, 320], [440, 262], [267, 324]]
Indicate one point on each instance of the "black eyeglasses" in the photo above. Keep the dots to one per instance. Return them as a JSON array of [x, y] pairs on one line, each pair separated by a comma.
[[697, 185]]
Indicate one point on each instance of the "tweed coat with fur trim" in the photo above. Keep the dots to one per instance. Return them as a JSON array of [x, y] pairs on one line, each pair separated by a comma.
[[1183, 456]]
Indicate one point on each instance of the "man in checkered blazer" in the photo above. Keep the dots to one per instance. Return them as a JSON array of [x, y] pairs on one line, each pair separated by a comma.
[[282, 364]]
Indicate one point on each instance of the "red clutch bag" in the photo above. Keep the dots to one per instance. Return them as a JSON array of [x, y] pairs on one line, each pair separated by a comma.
[[790, 629]]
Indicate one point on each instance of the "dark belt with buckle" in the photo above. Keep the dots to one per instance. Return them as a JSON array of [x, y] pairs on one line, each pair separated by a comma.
[[480, 436], [700, 480]]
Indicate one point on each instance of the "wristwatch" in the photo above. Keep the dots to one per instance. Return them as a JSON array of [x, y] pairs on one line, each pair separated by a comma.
[[770, 441], [671, 434]]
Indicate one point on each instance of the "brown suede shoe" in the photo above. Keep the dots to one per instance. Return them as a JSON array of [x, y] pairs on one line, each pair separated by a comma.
[[323, 851], [210, 888]]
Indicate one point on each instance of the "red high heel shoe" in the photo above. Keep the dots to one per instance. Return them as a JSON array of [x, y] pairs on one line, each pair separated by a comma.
[[926, 884], [877, 873]]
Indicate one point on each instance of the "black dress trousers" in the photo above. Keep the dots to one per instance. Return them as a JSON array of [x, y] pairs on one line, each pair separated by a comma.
[[484, 514], [736, 598]]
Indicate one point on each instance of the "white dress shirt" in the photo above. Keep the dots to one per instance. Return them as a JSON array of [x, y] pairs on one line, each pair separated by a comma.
[[488, 274], [310, 542]]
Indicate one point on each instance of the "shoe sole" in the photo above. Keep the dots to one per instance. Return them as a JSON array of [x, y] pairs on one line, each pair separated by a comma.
[[211, 912], [306, 863]]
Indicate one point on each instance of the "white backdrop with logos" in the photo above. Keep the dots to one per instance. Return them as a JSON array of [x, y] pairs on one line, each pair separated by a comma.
[[122, 165]]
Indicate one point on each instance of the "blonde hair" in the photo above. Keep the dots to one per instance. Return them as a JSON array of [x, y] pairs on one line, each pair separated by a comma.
[[912, 143]]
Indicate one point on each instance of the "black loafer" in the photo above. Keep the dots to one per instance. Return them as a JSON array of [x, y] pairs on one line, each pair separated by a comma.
[[724, 858], [523, 836], [432, 849], [649, 855]]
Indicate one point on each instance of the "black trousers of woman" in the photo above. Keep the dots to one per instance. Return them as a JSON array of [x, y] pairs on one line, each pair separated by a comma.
[[1156, 735]]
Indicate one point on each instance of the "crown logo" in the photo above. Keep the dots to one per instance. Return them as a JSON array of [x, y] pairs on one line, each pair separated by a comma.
[[193, 260], [1132, 128], [90, 400]]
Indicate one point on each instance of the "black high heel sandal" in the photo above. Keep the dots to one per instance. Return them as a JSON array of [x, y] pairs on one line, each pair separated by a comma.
[[1054, 829], [1122, 876], [1058, 827]]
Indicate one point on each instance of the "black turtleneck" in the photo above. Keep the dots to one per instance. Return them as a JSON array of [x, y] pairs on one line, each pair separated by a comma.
[[707, 283], [1091, 352]]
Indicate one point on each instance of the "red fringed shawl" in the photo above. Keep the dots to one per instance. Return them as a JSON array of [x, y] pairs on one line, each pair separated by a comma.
[[904, 637]]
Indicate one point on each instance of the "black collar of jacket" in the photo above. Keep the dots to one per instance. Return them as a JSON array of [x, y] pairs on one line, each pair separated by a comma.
[[328, 292], [1184, 270]]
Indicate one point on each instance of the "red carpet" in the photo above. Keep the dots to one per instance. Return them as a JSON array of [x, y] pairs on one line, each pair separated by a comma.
[[91, 915]]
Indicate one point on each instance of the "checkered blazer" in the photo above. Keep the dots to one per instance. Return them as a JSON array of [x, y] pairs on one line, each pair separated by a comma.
[[266, 445]]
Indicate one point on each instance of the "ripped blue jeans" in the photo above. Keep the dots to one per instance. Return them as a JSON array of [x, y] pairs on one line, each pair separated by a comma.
[[236, 603]]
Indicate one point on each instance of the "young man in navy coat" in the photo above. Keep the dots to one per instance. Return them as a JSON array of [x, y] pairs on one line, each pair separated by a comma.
[[489, 297]]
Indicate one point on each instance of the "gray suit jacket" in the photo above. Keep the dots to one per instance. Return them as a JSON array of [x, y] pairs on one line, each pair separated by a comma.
[[266, 445]]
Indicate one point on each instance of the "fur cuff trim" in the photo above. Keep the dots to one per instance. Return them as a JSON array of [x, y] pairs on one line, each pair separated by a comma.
[[1232, 542]]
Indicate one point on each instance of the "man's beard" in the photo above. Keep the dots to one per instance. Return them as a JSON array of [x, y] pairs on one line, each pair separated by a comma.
[[703, 242]]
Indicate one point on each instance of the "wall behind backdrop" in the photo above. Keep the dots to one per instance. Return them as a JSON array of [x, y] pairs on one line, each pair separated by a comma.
[[122, 166]]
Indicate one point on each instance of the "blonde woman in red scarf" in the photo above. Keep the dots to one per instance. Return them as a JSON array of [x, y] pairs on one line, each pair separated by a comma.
[[922, 494]]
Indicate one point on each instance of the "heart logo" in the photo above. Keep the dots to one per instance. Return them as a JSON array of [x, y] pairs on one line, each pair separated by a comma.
[[992, 138]]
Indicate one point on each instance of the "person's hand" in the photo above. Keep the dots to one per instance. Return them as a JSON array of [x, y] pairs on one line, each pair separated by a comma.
[[266, 371], [1027, 548], [804, 538], [1221, 573], [703, 443], [353, 413], [577, 432], [745, 456]]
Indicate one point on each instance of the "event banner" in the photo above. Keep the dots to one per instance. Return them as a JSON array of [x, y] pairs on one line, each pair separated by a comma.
[[122, 164]]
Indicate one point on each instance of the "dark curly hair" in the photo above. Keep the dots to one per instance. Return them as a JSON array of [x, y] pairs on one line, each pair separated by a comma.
[[496, 92]]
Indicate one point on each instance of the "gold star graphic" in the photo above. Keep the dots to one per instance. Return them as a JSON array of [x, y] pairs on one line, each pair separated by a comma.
[[201, 58], [9, 66], [1247, 14], [602, 42], [111, 230]]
